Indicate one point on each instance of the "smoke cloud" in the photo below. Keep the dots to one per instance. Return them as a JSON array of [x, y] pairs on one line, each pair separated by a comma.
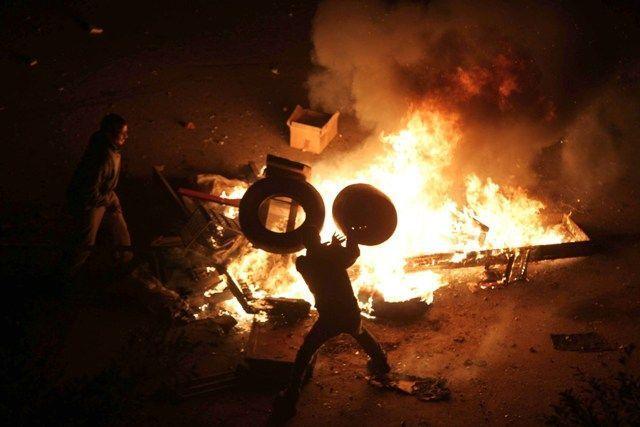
[[519, 75]]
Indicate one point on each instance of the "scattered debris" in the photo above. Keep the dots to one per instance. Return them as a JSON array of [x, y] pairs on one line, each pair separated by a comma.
[[287, 310], [225, 321], [475, 362], [399, 310], [424, 389], [203, 331], [142, 286], [589, 342]]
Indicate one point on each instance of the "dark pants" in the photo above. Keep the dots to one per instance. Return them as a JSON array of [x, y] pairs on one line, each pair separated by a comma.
[[87, 223], [321, 332]]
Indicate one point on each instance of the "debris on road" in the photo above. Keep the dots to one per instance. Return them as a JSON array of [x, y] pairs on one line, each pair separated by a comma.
[[424, 389], [589, 342], [475, 362], [150, 293], [287, 310], [225, 321], [399, 310]]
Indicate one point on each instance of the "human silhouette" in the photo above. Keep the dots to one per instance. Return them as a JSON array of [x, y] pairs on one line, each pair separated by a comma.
[[324, 269], [92, 198]]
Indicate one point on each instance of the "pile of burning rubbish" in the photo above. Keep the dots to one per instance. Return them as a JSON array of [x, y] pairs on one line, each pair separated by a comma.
[[232, 261], [244, 234]]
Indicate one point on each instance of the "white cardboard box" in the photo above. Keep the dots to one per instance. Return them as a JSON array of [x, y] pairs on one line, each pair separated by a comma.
[[311, 130]]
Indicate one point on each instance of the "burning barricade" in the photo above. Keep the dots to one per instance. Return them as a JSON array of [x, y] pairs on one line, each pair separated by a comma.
[[248, 234], [496, 226]]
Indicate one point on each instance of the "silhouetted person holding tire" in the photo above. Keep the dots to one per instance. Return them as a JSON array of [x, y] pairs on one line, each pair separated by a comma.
[[324, 269], [91, 195]]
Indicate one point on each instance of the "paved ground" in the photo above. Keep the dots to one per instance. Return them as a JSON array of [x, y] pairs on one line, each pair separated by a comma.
[[164, 63]]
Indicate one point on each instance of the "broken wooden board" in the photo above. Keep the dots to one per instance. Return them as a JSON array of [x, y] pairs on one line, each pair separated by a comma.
[[579, 246], [159, 175], [501, 256]]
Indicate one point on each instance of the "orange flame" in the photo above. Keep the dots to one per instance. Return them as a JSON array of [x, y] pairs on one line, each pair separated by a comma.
[[411, 170]]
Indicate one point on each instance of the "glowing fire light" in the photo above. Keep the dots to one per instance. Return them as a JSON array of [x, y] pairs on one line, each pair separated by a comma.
[[411, 170]]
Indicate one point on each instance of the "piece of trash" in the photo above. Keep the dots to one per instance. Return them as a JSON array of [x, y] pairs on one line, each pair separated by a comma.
[[225, 321], [275, 71], [587, 343], [311, 130], [425, 389], [287, 310], [189, 125], [95, 30], [409, 309], [32, 62], [478, 362]]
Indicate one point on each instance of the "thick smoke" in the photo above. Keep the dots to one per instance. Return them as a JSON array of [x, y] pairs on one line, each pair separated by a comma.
[[520, 76]]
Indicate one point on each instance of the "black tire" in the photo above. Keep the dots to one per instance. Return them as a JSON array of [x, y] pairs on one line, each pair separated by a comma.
[[301, 191]]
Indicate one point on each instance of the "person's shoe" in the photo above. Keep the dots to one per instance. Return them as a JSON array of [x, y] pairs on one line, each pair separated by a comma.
[[378, 368], [284, 408]]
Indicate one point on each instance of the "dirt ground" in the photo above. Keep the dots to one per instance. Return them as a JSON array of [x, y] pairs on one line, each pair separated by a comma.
[[236, 70]]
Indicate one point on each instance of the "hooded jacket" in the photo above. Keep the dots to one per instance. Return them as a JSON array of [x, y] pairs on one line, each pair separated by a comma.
[[96, 177]]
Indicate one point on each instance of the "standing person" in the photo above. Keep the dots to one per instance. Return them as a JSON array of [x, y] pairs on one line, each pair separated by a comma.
[[324, 269], [91, 194]]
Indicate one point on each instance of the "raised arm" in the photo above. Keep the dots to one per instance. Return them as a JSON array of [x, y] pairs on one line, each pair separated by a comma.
[[347, 255]]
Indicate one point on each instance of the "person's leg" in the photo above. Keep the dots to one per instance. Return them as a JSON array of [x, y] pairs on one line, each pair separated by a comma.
[[286, 401], [87, 224], [119, 230], [378, 365], [319, 333]]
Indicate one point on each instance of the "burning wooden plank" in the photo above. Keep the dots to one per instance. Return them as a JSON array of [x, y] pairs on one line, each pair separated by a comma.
[[500, 256], [580, 246]]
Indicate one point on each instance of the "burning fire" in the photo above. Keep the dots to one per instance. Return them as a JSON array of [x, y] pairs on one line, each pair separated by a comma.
[[412, 170]]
